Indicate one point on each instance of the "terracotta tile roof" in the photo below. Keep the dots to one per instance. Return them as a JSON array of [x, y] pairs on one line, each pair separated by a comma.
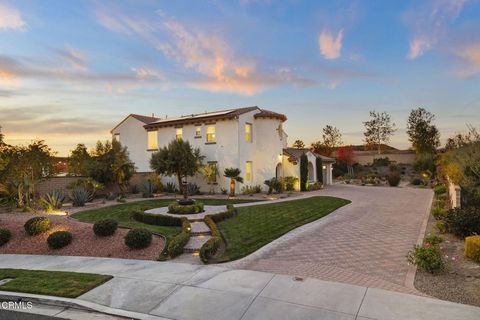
[[270, 114], [211, 116], [297, 153]]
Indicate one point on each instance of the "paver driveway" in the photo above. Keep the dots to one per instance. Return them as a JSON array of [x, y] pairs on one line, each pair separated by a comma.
[[363, 243]]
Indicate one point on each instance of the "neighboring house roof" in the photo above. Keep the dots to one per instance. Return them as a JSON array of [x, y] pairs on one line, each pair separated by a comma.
[[139, 117], [297, 153], [212, 116], [363, 147]]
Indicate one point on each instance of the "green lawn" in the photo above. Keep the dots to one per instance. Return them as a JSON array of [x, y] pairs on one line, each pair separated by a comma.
[[255, 226], [123, 213], [52, 283]]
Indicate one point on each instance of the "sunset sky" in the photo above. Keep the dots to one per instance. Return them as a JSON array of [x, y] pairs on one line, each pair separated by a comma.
[[71, 70]]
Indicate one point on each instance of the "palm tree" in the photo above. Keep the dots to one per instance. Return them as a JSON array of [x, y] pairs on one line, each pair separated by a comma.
[[234, 175]]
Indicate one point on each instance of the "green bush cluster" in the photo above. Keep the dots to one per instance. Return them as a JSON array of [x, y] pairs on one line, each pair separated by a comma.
[[37, 225], [105, 228], [440, 189], [434, 239], [138, 238], [427, 257], [5, 236], [439, 213], [176, 208], [463, 222], [315, 186], [274, 184], [417, 181], [249, 190], [177, 243], [59, 239], [157, 219], [472, 248], [290, 182]]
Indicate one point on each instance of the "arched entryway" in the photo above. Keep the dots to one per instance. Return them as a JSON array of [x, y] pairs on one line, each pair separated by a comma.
[[279, 171], [311, 172]]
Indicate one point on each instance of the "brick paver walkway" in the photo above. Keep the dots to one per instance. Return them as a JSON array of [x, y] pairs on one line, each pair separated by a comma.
[[363, 243]]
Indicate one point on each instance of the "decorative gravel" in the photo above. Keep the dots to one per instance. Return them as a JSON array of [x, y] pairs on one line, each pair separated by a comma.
[[85, 242]]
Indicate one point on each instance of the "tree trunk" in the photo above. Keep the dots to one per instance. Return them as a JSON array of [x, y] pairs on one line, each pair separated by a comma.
[[181, 187], [232, 188]]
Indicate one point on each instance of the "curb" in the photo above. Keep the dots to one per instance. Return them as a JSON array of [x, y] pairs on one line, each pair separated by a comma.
[[76, 304]]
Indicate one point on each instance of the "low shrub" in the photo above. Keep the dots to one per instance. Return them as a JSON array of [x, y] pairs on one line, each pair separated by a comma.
[[463, 222], [37, 225], [193, 189], [441, 226], [417, 181], [80, 196], [315, 186], [427, 257], [148, 189], [157, 219], [290, 182], [434, 239], [381, 162], [105, 228], [472, 248], [249, 190], [274, 184], [440, 189], [177, 243], [171, 187], [393, 179], [439, 213], [5, 236], [52, 201], [176, 208], [59, 239], [138, 238]]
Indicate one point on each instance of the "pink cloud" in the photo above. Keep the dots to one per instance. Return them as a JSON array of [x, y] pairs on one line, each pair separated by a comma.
[[11, 18], [330, 44]]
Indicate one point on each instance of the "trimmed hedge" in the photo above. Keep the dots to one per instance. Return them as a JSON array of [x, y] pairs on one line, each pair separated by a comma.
[[472, 248], [175, 246], [176, 208], [59, 239], [210, 247], [37, 225], [138, 238], [157, 219], [105, 228], [5, 236]]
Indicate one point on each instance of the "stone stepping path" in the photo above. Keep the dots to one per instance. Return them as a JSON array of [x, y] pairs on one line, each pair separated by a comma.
[[200, 228], [195, 243]]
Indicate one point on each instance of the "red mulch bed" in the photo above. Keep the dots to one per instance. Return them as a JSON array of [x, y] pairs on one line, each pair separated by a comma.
[[85, 242]]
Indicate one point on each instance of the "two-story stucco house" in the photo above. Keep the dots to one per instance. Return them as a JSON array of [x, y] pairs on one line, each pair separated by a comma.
[[251, 139]]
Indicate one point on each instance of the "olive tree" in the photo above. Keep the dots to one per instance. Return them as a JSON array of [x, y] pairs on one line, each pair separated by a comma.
[[379, 129]]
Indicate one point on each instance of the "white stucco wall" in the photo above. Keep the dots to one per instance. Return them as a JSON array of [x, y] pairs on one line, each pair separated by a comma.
[[134, 137]]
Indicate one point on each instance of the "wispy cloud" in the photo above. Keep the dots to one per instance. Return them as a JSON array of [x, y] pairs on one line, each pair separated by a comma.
[[430, 22], [330, 44], [11, 18], [75, 58]]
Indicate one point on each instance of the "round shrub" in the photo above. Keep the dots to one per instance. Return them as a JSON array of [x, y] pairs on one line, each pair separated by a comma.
[[428, 258], [5, 236], [440, 189], [59, 239], [393, 179], [177, 208], [138, 238], [105, 228], [417, 181], [37, 225]]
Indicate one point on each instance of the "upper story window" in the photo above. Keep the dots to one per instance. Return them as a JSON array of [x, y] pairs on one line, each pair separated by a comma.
[[248, 132], [152, 137], [178, 133], [248, 172], [198, 131], [116, 137], [211, 134]]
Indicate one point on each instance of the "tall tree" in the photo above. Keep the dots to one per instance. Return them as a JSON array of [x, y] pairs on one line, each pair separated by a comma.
[[460, 140], [331, 139], [298, 144], [79, 161], [422, 133], [378, 129], [179, 159]]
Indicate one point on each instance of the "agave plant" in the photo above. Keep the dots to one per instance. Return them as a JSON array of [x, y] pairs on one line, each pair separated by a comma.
[[170, 187], [80, 196], [148, 188], [193, 189], [52, 201]]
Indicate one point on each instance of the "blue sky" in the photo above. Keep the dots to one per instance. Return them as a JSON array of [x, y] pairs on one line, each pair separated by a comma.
[[70, 70]]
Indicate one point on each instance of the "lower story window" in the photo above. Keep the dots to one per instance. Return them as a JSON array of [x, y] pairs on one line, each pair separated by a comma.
[[248, 172]]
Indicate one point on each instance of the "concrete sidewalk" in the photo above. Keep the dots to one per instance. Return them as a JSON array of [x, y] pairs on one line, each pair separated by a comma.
[[163, 290]]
